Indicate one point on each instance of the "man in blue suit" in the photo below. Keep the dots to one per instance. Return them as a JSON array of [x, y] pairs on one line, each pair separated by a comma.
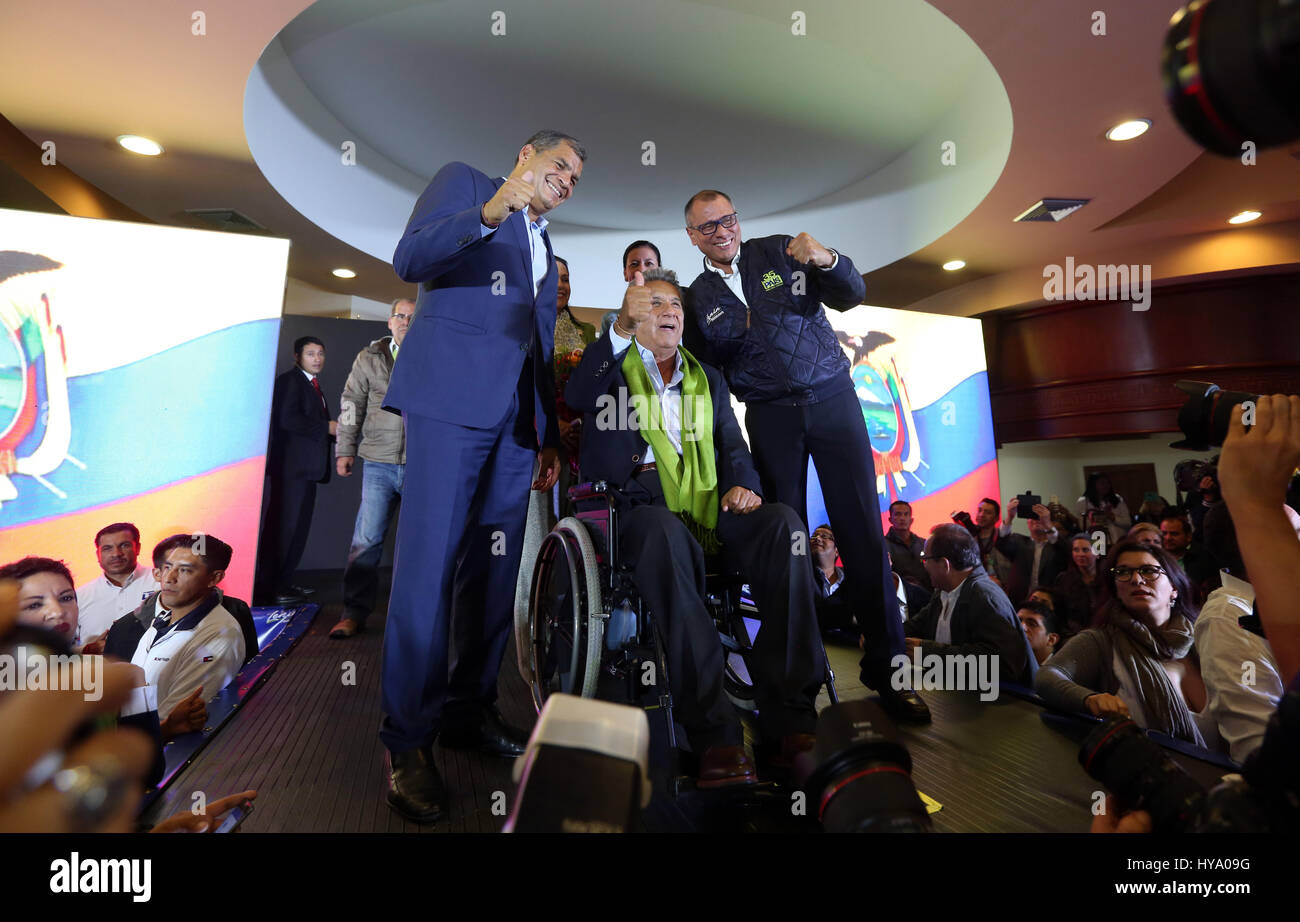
[[474, 386]]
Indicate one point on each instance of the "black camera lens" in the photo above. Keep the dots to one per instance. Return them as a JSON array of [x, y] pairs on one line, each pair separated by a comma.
[[1231, 70], [1205, 416], [1141, 775], [859, 776]]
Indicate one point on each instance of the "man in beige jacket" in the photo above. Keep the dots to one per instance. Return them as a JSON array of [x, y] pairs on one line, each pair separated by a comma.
[[366, 429]]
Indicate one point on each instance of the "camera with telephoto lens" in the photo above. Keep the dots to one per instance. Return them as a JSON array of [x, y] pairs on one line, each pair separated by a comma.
[[859, 775], [1265, 797], [1204, 418], [1231, 71]]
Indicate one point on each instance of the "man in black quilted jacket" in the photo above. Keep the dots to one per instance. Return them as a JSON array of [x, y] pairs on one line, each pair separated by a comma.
[[758, 316]]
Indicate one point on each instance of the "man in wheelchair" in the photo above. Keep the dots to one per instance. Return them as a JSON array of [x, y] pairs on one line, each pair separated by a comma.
[[659, 428]]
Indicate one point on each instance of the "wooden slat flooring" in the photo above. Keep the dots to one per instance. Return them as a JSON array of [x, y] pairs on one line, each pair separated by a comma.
[[310, 746]]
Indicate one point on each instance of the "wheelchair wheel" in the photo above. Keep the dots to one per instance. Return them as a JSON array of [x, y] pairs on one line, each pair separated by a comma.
[[735, 673], [566, 622]]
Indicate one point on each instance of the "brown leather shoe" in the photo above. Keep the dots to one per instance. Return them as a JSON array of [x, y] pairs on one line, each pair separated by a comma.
[[721, 766], [346, 627], [792, 745]]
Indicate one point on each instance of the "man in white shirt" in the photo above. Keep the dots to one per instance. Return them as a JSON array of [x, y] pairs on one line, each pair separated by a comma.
[[834, 609], [1240, 671], [193, 641], [124, 584]]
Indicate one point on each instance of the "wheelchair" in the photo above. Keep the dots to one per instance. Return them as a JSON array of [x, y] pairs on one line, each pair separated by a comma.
[[586, 632]]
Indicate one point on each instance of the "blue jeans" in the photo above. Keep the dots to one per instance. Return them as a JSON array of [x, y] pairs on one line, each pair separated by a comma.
[[381, 490]]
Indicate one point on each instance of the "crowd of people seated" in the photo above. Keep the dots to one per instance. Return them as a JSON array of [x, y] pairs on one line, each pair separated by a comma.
[[1148, 616], [177, 646]]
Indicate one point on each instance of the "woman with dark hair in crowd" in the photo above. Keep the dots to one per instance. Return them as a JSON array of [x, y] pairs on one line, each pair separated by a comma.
[[1080, 587], [1101, 507], [47, 597], [1138, 661]]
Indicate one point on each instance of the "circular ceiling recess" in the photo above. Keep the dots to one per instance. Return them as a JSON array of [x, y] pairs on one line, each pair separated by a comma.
[[873, 124]]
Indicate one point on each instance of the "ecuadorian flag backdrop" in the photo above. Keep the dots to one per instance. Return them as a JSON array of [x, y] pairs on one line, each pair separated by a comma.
[[923, 386], [136, 365]]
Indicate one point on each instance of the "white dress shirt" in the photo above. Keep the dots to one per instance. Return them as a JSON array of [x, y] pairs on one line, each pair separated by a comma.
[[1240, 711], [948, 601], [671, 401], [901, 593], [100, 603], [536, 245], [825, 587]]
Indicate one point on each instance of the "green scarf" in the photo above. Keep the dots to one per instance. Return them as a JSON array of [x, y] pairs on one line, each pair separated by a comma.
[[689, 480]]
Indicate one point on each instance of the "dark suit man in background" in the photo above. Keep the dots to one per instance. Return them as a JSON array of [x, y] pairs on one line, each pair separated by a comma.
[[477, 395], [758, 316], [298, 459], [689, 486]]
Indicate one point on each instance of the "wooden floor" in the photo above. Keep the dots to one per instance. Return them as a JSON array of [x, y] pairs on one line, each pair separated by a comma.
[[309, 744]]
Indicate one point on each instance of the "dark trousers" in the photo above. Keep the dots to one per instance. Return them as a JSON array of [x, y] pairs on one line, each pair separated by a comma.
[[291, 502], [668, 566], [459, 539], [834, 435]]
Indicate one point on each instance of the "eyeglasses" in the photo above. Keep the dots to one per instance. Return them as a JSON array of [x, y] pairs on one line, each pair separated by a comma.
[[708, 227], [1148, 573]]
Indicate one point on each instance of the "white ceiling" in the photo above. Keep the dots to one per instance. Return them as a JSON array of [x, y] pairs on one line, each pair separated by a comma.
[[835, 132], [840, 128]]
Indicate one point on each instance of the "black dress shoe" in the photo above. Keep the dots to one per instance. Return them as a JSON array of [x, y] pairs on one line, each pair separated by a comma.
[[288, 598], [490, 736], [415, 789], [302, 590], [905, 705]]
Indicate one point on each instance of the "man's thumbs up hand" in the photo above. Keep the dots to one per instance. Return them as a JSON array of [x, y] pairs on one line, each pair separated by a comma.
[[514, 195], [636, 306]]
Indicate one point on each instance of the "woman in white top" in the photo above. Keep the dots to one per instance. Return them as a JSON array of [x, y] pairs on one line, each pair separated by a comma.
[[1139, 662], [1101, 507]]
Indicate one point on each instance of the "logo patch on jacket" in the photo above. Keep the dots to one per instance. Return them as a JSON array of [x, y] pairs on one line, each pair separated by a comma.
[[772, 280], [713, 315]]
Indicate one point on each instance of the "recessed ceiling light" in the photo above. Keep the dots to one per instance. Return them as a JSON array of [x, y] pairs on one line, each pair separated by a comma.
[[1127, 131], [953, 265], [138, 145], [1244, 218], [345, 273]]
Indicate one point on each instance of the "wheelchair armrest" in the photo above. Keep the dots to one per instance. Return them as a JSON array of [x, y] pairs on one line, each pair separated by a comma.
[[589, 490]]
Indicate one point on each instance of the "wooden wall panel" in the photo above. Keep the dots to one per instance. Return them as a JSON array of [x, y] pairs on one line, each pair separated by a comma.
[[1101, 369]]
